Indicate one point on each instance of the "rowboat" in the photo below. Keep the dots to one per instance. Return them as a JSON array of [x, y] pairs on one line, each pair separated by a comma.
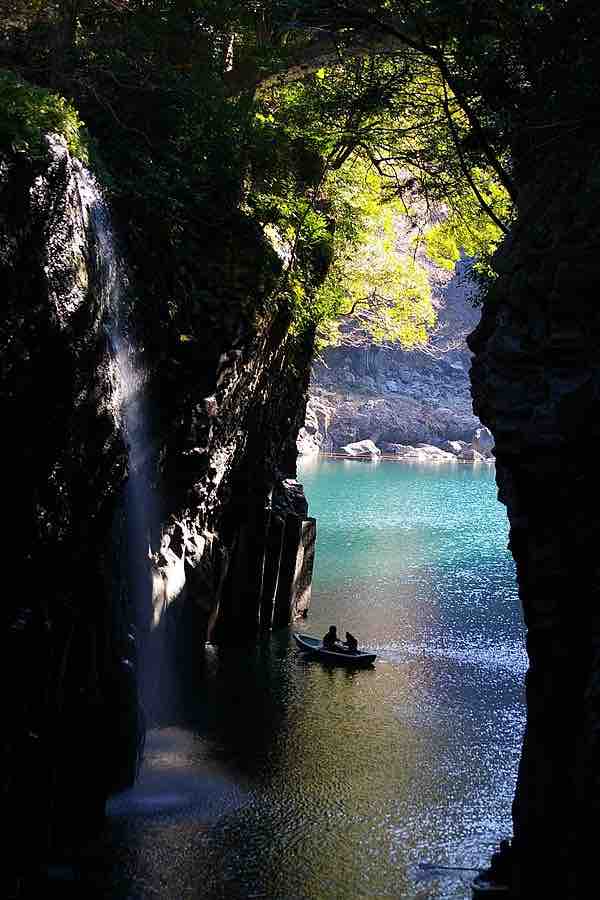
[[340, 657], [483, 886]]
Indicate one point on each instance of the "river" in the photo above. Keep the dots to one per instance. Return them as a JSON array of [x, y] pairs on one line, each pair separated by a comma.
[[294, 781]]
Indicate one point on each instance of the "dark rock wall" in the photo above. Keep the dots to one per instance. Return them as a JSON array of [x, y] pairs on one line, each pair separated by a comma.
[[64, 641], [64, 448], [228, 496], [536, 385], [226, 391]]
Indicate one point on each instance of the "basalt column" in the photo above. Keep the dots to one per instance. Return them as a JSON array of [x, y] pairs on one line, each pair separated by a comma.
[[536, 384]]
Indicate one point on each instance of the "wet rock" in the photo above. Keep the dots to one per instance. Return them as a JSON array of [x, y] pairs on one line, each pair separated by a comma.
[[290, 498]]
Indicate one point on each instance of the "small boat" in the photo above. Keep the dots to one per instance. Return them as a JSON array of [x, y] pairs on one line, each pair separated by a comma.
[[340, 657]]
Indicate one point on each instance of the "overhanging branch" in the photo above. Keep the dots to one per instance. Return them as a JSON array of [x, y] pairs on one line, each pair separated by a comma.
[[465, 168], [304, 61]]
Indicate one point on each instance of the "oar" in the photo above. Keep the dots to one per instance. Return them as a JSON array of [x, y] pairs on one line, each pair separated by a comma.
[[433, 867]]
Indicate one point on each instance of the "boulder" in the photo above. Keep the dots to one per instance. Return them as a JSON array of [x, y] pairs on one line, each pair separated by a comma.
[[361, 448], [397, 449], [430, 453], [420, 453], [469, 454], [482, 439], [455, 447]]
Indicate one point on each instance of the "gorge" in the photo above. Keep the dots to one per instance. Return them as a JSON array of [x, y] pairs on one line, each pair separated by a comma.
[[225, 231]]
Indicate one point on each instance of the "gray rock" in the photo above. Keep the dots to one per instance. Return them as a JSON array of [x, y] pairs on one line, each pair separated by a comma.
[[417, 396], [368, 382], [361, 448], [469, 454], [455, 447], [308, 444], [420, 453], [435, 454], [483, 439], [396, 449]]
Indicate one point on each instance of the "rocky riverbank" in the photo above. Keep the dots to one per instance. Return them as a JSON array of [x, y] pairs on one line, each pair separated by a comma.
[[480, 449]]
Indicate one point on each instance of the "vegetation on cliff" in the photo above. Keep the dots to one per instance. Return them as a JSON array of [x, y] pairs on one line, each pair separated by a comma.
[[313, 120], [29, 112]]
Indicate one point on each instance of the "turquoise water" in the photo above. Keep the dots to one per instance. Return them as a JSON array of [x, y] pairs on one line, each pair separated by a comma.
[[295, 781], [414, 554]]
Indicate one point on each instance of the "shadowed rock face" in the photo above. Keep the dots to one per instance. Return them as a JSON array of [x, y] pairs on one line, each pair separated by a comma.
[[536, 384], [65, 461], [225, 406], [61, 437]]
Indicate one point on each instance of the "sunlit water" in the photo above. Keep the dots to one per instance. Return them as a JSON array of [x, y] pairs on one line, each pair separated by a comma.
[[294, 781]]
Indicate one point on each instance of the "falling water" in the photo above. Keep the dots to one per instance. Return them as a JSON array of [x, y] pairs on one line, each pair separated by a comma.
[[141, 534]]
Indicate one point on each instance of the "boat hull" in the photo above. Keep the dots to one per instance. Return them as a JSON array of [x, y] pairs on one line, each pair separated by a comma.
[[315, 647]]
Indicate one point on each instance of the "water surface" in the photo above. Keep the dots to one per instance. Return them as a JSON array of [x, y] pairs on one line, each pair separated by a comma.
[[294, 781]]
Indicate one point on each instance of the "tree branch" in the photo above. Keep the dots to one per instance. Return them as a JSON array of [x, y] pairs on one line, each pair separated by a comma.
[[408, 32], [307, 60], [465, 168]]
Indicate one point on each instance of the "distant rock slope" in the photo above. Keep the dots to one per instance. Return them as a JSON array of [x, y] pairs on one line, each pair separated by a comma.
[[393, 396]]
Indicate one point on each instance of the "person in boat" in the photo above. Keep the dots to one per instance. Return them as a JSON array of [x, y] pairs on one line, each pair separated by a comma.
[[351, 643], [331, 640]]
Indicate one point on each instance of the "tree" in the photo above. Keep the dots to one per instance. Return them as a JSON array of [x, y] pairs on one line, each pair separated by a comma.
[[278, 107]]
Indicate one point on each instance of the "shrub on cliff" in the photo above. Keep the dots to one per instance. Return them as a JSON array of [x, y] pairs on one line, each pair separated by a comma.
[[27, 112]]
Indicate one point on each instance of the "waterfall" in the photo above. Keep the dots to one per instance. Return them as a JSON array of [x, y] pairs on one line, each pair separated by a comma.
[[141, 509]]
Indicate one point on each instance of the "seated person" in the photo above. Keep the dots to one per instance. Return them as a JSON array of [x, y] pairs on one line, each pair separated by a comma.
[[331, 641], [351, 642]]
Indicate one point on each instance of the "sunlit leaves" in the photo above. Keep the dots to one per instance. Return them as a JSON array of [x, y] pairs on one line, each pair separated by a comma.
[[377, 291], [28, 112], [381, 125], [466, 228]]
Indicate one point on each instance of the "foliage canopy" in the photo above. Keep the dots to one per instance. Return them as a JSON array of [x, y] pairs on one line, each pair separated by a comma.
[[314, 117]]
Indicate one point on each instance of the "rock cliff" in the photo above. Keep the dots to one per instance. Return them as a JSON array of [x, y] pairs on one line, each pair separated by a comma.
[[390, 395], [536, 383], [192, 515]]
